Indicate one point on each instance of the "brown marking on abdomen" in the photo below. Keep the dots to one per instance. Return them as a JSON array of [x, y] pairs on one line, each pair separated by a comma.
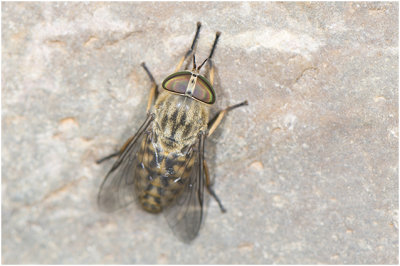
[[158, 185]]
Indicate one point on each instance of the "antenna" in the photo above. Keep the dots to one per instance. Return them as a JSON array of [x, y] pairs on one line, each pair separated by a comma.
[[194, 62], [198, 69]]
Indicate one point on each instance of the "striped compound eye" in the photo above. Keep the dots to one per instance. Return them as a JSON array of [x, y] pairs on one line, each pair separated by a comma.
[[178, 83]]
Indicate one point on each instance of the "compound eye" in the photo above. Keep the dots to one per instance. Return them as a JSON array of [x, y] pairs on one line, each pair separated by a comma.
[[177, 82], [204, 91]]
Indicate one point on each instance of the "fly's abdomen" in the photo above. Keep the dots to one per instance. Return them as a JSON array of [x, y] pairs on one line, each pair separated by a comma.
[[161, 177], [150, 198]]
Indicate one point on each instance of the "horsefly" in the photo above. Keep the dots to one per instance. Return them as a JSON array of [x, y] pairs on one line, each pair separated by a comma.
[[162, 166]]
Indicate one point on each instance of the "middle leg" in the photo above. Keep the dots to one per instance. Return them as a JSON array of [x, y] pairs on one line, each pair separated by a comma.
[[216, 120]]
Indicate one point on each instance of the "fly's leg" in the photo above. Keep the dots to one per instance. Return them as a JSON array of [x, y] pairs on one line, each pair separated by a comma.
[[216, 120], [212, 125], [115, 154], [190, 51], [108, 157], [153, 90], [211, 68], [153, 95], [209, 188]]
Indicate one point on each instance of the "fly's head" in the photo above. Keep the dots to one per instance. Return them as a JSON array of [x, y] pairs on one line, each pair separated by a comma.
[[191, 84]]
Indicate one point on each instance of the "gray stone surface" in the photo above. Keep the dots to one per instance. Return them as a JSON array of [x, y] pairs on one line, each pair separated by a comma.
[[308, 171]]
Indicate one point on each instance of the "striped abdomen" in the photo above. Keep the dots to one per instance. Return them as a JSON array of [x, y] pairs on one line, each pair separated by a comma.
[[161, 176]]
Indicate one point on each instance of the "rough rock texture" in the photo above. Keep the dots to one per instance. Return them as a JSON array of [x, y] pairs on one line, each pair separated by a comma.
[[308, 171]]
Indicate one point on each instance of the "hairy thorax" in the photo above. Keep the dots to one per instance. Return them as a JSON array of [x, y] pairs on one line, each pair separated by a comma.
[[178, 120]]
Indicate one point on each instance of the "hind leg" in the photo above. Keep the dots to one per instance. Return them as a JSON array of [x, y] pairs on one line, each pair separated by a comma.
[[210, 189]]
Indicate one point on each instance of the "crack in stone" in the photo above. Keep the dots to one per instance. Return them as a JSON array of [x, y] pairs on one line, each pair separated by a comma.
[[56, 191], [112, 42], [302, 74]]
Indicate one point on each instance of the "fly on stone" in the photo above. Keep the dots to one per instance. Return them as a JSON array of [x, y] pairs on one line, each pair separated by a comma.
[[162, 166]]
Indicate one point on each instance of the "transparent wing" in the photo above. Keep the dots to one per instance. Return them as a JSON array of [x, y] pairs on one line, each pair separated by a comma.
[[184, 215], [117, 189]]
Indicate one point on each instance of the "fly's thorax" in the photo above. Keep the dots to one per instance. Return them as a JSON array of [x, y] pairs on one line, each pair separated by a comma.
[[178, 120]]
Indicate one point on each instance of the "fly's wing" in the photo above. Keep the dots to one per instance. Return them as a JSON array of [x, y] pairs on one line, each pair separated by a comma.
[[184, 215], [117, 189]]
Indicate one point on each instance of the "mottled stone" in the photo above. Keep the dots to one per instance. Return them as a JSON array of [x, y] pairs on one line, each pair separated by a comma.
[[308, 171]]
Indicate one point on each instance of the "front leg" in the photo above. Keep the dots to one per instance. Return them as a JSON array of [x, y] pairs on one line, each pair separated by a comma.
[[190, 51]]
